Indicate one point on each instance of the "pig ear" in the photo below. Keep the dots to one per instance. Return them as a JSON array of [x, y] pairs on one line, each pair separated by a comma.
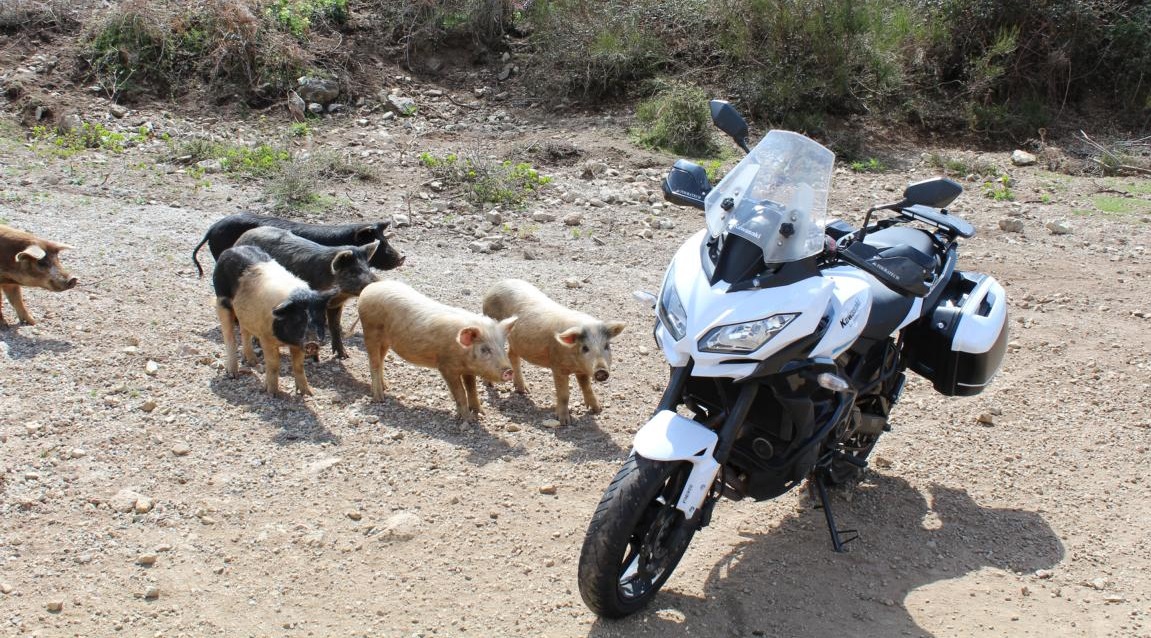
[[468, 336], [31, 253], [371, 249], [365, 235], [283, 309], [614, 328], [506, 324], [343, 259], [570, 336]]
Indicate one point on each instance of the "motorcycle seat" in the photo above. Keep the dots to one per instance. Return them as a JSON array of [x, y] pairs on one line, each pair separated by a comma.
[[888, 307], [896, 236]]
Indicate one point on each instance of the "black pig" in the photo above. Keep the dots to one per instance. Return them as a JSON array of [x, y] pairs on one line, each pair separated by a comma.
[[273, 305], [224, 233], [345, 267]]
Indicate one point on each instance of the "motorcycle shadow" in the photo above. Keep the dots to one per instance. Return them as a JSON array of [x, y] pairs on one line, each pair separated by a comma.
[[787, 582]]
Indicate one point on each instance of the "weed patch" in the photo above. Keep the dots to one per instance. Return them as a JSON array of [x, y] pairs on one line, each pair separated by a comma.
[[870, 165], [259, 160], [958, 167], [65, 143], [485, 180], [999, 189]]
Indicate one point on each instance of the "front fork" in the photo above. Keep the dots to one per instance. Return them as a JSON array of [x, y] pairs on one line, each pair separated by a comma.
[[667, 436]]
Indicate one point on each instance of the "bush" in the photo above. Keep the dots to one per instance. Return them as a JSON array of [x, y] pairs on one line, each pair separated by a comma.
[[161, 47], [677, 119]]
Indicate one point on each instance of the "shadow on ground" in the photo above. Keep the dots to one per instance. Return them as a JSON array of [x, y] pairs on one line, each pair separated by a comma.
[[787, 581]]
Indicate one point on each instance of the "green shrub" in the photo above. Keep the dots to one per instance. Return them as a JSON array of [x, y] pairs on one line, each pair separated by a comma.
[[297, 16], [258, 160], [485, 180], [870, 165], [677, 119]]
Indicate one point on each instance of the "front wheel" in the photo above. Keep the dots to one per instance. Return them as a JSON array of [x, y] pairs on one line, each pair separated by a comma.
[[636, 537]]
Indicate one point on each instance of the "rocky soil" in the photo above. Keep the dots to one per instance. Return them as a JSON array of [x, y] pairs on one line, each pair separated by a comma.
[[144, 493]]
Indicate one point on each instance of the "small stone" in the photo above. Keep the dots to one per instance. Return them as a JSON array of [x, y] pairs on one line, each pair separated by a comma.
[[543, 217], [512, 427], [32, 427], [77, 453], [124, 501], [152, 593], [400, 220], [1022, 158], [1114, 598], [572, 283], [402, 526], [494, 217], [322, 90], [118, 111], [181, 449], [355, 515], [6, 588], [146, 560], [482, 247], [315, 108], [551, 423], [1043, 574], [986, 418], [548, 489], [1011, 225], [1099, 584], [55, 605], [151, 368], [148, 406], [143, 505], [573, 219], [1059, 227], [209, 166], [400, 105]]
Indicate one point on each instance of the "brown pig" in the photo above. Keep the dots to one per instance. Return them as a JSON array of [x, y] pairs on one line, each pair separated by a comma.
[[27, 260], [550, 335], [461, 344]]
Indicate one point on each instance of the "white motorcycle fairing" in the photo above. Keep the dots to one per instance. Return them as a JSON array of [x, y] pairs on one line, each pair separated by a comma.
[[710, 306], [668, 436]]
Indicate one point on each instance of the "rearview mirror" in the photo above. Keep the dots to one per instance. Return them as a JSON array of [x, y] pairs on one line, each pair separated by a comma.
[[728, 120]]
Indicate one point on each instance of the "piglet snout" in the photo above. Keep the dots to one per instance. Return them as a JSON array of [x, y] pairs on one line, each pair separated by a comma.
[[601, 375], [70, 284], [507, 374]]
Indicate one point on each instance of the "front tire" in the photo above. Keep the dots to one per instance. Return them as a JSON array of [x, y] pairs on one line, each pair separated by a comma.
[[636, 537]]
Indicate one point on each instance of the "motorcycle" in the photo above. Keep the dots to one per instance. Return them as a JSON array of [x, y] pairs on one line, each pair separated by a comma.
[[788, 338]]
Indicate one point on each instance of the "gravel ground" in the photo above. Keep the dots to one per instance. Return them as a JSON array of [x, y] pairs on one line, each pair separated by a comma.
[[144, 493]]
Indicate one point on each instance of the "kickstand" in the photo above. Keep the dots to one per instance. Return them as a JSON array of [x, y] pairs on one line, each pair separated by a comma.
[[837, 542]]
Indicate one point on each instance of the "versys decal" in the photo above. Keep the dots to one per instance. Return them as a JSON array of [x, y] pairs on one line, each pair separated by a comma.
[[851, 314]]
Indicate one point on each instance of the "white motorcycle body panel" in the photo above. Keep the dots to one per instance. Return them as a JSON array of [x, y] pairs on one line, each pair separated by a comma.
[[849, 309], [709, 307], [668, 436]]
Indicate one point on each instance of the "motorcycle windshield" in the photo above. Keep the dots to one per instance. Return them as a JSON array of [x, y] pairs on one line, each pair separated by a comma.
[[778, 197]]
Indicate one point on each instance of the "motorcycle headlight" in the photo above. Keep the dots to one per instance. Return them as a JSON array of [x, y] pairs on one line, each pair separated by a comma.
[[671, 311], [741, 338]]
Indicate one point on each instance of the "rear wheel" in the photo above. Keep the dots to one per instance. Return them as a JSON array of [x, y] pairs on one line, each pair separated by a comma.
[[636, 537]]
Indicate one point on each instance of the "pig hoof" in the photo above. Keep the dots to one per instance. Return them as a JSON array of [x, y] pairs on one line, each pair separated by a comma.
[[594, 409]]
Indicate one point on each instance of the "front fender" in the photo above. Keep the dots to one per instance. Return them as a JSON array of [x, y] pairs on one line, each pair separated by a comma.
[[668, 436]]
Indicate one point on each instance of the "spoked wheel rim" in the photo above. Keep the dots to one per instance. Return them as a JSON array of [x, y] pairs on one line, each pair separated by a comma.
[[653, 549]]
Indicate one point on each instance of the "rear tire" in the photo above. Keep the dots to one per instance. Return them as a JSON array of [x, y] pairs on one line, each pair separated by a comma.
[[636, 537]]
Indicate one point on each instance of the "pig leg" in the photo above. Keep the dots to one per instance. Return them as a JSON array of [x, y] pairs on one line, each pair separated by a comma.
[[16, 297], [473, 394], [249, 351], [228, 329], [518, 377], [588, 395], [456, 387], [563, 395], [376, 354], [302, 387], [271, 368], [334, 314]]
